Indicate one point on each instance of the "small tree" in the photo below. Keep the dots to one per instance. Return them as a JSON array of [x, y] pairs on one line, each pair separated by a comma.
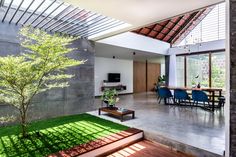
[[40, 68]]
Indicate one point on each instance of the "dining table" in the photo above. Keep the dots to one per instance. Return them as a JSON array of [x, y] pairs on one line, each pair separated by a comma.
[[213, 92]]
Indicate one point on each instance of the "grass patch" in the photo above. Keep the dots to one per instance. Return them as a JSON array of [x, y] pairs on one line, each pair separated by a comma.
[[56, 134]]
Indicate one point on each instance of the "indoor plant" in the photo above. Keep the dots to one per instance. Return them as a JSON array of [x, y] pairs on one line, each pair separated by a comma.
[[161, 81], [110, 97]]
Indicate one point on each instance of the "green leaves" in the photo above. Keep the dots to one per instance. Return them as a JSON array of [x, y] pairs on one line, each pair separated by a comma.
[[110, 95], [39, 68]]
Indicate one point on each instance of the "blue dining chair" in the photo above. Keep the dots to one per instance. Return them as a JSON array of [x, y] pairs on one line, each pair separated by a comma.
[[181, 95], [164, 93], [199, 96]]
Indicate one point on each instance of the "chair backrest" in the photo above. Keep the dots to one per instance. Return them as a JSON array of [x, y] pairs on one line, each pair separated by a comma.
[[198, 95], [164, 92], [180, 94]]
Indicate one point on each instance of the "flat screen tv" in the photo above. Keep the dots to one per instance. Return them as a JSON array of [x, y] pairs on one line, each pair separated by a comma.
[[113, 77]]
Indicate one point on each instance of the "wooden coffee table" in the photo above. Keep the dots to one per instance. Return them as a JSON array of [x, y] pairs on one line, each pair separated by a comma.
[[114, 111]]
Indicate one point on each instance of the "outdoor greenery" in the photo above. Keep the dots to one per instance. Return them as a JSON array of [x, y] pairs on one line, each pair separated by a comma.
[[110, 96], [39, 68], [218, 77], [54, 135]]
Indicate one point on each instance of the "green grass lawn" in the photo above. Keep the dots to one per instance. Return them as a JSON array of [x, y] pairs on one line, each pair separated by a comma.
[[55, 135]]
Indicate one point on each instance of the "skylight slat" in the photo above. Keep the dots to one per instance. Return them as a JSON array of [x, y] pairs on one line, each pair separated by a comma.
[[60, 13], [7, 11], [33, 12], [117, 23], [25, 12], [57, 16], [105, 19], [97, 26], [43, 12], [16, 11]]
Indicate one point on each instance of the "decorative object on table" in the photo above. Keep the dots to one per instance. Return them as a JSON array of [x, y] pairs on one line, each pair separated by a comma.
[[121, 110], [198, 85], [161, 81], [194, 84], [110, 97]]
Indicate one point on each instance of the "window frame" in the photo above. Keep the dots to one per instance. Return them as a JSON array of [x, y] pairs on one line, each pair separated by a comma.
[[209, 62]]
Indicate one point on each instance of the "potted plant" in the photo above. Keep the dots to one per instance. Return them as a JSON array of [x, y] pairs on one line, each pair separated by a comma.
[[110, 97], [161, 81]]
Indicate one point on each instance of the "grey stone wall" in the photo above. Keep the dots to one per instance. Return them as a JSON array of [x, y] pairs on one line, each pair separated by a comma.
[[75, 99], [232, 141]]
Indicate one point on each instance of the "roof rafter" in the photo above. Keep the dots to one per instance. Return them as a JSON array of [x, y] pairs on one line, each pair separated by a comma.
[[171, 30]]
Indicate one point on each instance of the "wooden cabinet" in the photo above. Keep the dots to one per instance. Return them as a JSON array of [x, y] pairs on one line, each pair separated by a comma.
[[145, 76], [139, 77], [153, 71]]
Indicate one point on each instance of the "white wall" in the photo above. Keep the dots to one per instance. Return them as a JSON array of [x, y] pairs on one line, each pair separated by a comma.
[[137, 42], [206, 46], [103, 66], [172, 71]]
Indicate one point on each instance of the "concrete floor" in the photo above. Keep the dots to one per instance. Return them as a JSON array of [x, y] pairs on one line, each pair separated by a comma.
[[193, 126]]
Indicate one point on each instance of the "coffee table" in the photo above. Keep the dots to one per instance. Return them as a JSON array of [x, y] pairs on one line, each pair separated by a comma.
[[114, 111]]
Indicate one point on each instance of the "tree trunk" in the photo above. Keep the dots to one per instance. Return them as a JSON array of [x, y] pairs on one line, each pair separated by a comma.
[[23, 123]]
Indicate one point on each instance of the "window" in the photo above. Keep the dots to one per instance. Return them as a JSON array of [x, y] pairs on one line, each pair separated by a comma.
[[211, 28], [218, 70], [180, 71], [198, 70]]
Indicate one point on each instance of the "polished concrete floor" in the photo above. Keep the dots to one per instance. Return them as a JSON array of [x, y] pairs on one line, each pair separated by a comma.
[[192, 126]]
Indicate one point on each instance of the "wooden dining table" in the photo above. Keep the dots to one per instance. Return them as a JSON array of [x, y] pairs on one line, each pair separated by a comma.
[[213, 92]]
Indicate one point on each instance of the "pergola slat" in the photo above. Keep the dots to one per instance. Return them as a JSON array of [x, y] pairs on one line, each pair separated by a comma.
[[59, 19], [16, 11], [7, 11], [102, 28], [34, 12], [96, 26], [89, 26], [56, 16], [25, 12], [43, 12]]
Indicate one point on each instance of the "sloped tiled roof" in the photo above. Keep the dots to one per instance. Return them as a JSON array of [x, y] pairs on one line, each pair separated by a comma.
[[175, 29]]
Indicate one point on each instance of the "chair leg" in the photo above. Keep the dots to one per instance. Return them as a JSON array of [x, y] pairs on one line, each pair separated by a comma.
[[160, 100]]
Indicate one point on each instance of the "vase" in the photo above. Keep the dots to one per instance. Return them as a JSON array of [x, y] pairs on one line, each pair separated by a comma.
[[112, 107]]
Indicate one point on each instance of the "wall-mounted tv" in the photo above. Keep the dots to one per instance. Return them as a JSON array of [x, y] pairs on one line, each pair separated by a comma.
[[113, 77]]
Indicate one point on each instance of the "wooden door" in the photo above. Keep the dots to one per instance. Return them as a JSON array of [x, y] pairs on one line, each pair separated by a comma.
[[153, 72], [139, 77]]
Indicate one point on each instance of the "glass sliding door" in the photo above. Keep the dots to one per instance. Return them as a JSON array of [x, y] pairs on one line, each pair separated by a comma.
[[198, 70], [218, 70], [180, 71]]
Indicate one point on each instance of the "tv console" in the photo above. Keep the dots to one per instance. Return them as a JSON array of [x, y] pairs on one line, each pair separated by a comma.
[[116, 87]]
